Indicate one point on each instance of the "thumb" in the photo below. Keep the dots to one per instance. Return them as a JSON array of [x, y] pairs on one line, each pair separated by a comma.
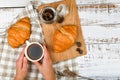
[[46, 51]]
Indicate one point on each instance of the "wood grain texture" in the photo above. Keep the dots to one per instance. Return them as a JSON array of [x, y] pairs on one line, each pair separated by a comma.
[[70, 19], [20, 3], [100, 25], [101, 61], [97, 1]]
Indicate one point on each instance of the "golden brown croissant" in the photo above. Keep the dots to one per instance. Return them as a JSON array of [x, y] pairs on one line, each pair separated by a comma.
[[19, 32], [64, 38]]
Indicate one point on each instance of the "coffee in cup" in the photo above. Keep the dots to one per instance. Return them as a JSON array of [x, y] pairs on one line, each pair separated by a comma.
[[48, 15], [34, 51]]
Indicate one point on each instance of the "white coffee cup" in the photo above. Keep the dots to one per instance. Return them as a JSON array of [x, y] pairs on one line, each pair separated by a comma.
[[34, 51]]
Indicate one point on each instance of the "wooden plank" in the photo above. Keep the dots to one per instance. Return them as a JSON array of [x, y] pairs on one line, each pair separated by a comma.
[[21, 3], [100, 16], [102, 61], [98, 34], [8, 15], [96, 1], [13, 3], [100, 24]]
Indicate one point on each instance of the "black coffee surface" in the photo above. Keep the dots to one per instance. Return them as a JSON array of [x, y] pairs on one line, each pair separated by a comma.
[[48, 15], [34, 51]]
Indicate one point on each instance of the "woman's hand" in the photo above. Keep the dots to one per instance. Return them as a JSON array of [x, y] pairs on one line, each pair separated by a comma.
[[46, 67], [21, 67]]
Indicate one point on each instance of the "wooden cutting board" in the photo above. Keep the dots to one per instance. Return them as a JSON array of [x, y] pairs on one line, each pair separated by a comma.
[[71, 19]]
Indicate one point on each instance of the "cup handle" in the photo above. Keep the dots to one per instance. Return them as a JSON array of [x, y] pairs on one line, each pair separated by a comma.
[[27, 42], [62, 10]]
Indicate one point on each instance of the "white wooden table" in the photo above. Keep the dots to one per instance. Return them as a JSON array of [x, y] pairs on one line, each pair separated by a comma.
[[100, 20]]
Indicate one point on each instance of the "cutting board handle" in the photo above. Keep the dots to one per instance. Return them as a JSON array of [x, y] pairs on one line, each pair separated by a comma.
[[70, 3]]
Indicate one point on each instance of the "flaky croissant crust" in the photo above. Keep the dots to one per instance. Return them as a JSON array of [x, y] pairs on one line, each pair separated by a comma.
[[19, 32], [64, 38]]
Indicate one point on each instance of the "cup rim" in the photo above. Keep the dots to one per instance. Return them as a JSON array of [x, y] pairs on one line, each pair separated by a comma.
[[25, 52], [54, 11]]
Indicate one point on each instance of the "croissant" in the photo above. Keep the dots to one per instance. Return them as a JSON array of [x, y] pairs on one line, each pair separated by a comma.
[[64, 38], [19, 32]]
